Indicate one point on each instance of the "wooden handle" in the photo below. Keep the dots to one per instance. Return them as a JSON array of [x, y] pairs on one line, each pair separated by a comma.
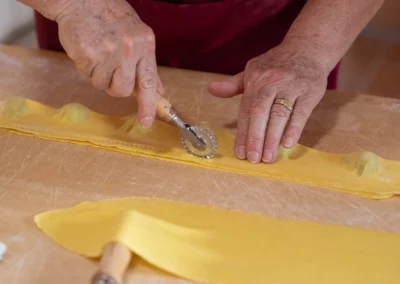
[[114, 262], [163, 106]]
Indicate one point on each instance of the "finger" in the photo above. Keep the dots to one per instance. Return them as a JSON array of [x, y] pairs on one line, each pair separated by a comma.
[[102, 75], [123, 80], [160, 86], [230, 87], [278, 118], [146, 85], [258, 124], [85, 67], [243, 124], [298, 120]]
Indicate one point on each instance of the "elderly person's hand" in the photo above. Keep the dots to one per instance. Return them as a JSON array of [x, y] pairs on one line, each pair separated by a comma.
[[110, 45], [285, 77]]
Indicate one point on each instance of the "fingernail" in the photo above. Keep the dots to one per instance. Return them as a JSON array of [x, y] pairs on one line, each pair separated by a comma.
[[240, 152], [288, 142], [146, 122], [267, 157], [253, 157]]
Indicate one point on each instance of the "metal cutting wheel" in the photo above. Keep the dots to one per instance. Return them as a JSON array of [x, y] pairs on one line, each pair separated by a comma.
[[207, 145]]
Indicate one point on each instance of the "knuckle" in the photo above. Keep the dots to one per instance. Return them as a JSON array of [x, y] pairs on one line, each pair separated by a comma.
[[100, 81], [255, 76], [128, 42], [121, 91], [108, 48], [244, 115], [300, 113], [276, 73], [264, 76], [253, 72], [245, 108], [146, 36], [82, 47], [259, 109], [91, 56], [149, 37], [84, 68], [293, 131], [85, 72], [81, 62], [271, 140], [264, 91], [147, 106], [260, 105], [241, 138], [99, 85], [255, 139], [114, 93], [146, 83], [279, 111], [242, 124], [87, 53], [126, 91]]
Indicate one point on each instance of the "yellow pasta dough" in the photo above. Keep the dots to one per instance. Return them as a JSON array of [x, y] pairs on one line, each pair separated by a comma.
[[362, 173], [218, 246]]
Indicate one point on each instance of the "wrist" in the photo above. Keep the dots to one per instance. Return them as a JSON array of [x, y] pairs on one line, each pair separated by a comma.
[[51, 9], [313, 51]]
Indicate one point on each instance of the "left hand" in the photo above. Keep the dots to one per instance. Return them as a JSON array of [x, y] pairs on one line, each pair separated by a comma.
[[288, 72]]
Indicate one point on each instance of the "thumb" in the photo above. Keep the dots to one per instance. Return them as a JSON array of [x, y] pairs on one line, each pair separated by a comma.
[[228, 88]]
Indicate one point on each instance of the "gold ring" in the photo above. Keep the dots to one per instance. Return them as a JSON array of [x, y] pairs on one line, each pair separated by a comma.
[[287, 104]]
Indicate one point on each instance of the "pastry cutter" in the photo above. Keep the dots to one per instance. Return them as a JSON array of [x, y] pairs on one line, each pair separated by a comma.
[[197, 140]]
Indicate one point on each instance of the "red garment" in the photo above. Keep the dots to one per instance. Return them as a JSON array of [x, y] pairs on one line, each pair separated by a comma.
[[217, 36]]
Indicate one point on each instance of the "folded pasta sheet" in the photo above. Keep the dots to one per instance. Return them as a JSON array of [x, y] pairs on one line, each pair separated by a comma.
[[218, 246], [362, 173]]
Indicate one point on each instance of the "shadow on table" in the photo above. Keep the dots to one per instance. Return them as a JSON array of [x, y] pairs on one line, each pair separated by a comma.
[[324, 117]]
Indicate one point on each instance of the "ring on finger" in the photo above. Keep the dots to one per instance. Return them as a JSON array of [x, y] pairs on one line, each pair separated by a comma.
[[286, 103]]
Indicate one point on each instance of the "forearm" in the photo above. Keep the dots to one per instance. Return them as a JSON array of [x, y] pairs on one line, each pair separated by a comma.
[[329, 27], [49, 8]]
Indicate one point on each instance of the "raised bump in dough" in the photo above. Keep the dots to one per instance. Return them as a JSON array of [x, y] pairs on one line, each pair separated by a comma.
[[132, 126], [365, 163], [291, 153], [16, 107], [74, 112]]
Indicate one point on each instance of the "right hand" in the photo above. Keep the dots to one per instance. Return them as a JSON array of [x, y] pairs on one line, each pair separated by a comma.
[[111, 45]]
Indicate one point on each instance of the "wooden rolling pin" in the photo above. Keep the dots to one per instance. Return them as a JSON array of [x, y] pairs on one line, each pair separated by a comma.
[[114, 262]]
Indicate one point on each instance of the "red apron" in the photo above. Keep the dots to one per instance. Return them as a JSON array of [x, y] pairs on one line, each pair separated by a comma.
[[217, 36]]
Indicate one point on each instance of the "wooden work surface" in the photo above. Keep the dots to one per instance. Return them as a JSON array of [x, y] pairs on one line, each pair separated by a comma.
[[38, 175]]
